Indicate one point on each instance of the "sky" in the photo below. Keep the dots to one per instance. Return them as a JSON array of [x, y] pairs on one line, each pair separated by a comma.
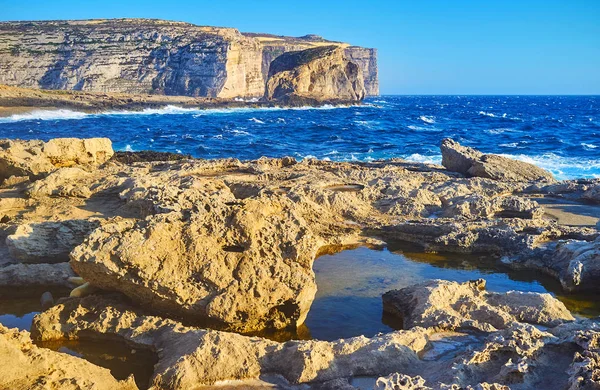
[[424, 46]]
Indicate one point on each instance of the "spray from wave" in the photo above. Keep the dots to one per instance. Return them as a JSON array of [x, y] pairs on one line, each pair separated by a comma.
[[427, 119], [63, 114]]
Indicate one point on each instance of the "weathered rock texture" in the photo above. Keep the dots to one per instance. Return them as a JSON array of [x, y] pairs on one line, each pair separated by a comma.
[[231, 244], [453, 306], [319, 73], [48, 242], [36, 159], [576, 263], [471, 162], [520, 356], [32, 275], [27, 367], [142, 56]]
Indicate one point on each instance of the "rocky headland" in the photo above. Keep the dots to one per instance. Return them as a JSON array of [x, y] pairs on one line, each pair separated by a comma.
[[139, 63], [188, 260]]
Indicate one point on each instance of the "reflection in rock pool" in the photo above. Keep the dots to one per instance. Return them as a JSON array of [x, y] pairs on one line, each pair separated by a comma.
[[350, 283], [118, 357], [18, 307]]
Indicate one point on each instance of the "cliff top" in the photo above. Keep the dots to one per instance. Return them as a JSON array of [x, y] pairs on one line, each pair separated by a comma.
[[264, 38]]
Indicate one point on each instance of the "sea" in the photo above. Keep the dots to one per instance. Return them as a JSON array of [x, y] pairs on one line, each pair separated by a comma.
[[558, 133]]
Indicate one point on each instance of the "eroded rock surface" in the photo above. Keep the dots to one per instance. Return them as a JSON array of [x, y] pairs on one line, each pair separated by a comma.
[[317, 73], [231, 243], [458, 306], [190, 357], [519, 356], [31, 275], [48, 242], [575, 262], [28, 367], [35, 159], [471, 162]]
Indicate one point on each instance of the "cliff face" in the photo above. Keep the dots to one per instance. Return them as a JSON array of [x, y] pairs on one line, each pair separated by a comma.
[[151, 56], [323, 72]]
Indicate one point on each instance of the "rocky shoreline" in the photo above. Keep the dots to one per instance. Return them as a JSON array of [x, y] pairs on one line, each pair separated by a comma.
[[183, 258], [15, 100]]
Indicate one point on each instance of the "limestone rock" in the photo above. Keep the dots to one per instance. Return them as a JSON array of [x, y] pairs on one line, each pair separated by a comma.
[[473, 163], [451, 305], [35, 159], [592, 194], [479, 206], [27, 367], [62, 182], [520, 354], [400, 382], [48, 242], [576, 263], [238, 264], [26, 275], [189, 357], [321, 73]]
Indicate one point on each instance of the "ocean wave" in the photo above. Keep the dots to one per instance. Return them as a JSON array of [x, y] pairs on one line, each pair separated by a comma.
[[500, 130], [427, 119], [510, 145], [420, 158], [45, 115], [484, 113], [238, 132], [65, 114], [421, 128], [562, 167], [256, 121], [589, 146]]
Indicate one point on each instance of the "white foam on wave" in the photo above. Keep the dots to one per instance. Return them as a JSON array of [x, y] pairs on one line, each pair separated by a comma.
[[589, 146], [421, 128], [237, 132], [45, 115], [500, 130], [427, 119], [421, 158], [562, 167], [64, 114], [484, 113], [255, 120]]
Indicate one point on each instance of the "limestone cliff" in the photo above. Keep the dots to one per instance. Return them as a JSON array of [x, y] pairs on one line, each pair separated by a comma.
[[321, 72], [151, 56]]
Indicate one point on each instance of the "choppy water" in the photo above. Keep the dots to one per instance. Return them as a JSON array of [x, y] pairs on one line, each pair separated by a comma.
[[559, 133]]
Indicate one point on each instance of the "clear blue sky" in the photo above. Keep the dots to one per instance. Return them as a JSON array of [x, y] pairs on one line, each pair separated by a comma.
[[425, 46]]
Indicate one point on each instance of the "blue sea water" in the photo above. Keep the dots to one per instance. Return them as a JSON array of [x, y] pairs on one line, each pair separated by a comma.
[[559, 133]]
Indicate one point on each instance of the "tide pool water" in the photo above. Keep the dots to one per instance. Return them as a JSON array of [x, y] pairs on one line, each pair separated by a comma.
[[558, 133]]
